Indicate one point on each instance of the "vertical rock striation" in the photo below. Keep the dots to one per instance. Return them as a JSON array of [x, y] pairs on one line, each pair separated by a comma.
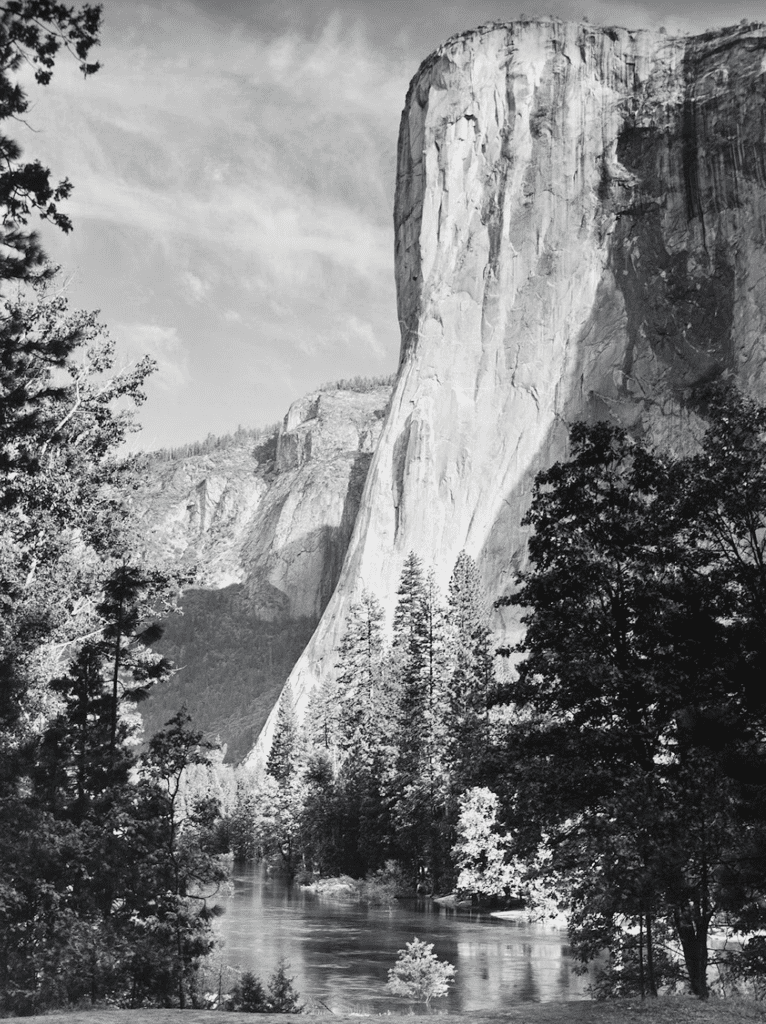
[[580, 233]]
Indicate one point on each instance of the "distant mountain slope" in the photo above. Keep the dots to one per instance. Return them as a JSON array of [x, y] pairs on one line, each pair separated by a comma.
[[268, 519]]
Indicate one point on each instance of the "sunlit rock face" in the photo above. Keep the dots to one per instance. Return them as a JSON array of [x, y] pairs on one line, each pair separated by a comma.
[[268, 522], [580, 233], [274, 516]]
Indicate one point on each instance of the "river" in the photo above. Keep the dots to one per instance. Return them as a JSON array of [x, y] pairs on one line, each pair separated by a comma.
[[339, 953]]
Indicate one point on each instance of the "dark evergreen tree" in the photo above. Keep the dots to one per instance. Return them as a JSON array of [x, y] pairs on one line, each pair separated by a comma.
[[409, 657], [472, 684], [346, 821], [93, 874], [323, 718], [168, 904], [643, 631], [282, 996], [366, 728], [421, 665], [248, 995], [282, 759], [359, 668]]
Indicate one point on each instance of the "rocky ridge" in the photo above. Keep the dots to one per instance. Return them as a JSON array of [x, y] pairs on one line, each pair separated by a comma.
[[268, 522], [580, 225]]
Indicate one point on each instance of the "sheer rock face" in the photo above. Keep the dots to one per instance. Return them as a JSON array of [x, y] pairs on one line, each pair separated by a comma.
[[580, 233], [274, 517]]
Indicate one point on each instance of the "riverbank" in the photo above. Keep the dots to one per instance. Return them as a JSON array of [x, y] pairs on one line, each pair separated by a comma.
[[379, 890], [667, 1010]]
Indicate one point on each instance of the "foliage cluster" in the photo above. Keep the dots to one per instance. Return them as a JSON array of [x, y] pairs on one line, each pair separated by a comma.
[[105, 879], [242, 437], [621, 768], [634, 758], [617, 773], [361, 385]]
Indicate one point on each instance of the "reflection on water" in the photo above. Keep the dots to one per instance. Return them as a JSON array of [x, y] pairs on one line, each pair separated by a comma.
[[339, 953]]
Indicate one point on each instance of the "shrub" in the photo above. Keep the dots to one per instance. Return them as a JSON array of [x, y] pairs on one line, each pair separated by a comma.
[[282, 996], [384, 885], [248, 995], [419, 974]]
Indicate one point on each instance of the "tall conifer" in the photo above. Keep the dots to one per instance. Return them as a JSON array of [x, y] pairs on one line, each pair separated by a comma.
[[472, 681], [359, 668], [421, 660], [409, 661], [282, 757]]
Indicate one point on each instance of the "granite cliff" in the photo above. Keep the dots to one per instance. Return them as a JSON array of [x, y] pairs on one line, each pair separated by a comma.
[[580, 223], [267, 519]]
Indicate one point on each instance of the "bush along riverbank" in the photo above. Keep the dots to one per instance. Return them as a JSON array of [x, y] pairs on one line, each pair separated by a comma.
[[378, 888]]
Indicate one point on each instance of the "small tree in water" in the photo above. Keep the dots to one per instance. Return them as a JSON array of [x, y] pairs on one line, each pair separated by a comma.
[[419, 974]]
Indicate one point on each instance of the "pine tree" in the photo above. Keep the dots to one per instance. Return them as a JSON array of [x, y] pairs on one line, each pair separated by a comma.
[[419, 974], [248, 995], [323, 718], [368, 728], [418, 782], [283, 756], [409, 658], [282, 996], [168, 908], [81, 843], [359, 667], [472, 684]]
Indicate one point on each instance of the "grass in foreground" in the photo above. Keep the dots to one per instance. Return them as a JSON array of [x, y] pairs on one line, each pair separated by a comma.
[[667, 1010]]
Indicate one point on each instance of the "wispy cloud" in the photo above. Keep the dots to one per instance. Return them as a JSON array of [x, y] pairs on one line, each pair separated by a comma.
[[254, 172], [195, 287], [274, 148], [351, 332], [163, 345]]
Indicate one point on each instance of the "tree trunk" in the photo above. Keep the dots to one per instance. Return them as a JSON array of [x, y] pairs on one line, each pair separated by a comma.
[[180, 954], [693, 936], [652, 982], [116, 679]]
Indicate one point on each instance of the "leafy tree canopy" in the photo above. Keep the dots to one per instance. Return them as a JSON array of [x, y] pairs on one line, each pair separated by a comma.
[[33, 33], [635, 756]]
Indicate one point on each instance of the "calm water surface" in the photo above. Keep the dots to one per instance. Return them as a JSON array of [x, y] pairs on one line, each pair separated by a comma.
[[339, 953]]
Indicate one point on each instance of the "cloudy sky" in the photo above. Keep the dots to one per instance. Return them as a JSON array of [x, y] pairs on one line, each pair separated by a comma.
[[233, 165]]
